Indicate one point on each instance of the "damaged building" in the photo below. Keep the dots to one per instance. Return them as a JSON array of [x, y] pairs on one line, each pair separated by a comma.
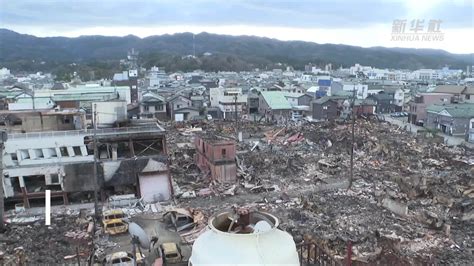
[[216, 156], [130, 160]]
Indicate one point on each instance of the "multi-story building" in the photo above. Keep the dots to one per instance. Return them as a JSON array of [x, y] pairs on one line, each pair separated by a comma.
[[418, 112], [452, 119], [216, 156], [152, 106], [129, 159], [230, 101]]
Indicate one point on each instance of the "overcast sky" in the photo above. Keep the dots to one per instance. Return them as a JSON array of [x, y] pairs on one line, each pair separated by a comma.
[[356, 22]]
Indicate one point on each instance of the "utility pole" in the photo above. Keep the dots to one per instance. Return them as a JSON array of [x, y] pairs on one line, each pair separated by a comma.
[[235, 107], [96, 201], [3, 138], [352, 138], [33, 97]]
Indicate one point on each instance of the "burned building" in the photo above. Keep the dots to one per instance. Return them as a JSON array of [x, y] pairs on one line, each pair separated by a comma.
[[42, 120], [129, 160], [216, 156]]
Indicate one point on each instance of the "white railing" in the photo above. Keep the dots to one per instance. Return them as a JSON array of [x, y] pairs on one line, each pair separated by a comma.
[[86, 132]]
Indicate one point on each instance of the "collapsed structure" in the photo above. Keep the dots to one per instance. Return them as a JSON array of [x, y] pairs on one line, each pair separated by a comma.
[[409, 202], [217, 157], [131, 159]]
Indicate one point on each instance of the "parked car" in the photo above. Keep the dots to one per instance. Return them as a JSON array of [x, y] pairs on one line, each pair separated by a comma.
[[114, 222], [396, 114], [120, 258], [114, 214], [171, 253]]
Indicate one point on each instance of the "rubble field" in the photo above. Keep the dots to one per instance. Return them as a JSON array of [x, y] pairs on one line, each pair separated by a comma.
[[410, 201], [411, 198], [33, 243]]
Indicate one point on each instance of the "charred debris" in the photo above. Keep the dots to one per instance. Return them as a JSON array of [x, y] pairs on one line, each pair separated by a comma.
[[411, 200]]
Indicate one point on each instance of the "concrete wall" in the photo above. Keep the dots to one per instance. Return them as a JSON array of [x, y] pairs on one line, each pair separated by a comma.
[[109, 112], [37, 121]]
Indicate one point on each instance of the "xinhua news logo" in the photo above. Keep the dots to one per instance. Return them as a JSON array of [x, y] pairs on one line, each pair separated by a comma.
[[417, 30]]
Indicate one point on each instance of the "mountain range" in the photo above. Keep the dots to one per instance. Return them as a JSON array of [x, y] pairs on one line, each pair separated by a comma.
[[19, 51]]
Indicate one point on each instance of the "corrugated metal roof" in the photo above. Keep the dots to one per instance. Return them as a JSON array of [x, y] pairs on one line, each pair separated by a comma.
[[435, 108], [455, 89], [462, 110], [276, 100]]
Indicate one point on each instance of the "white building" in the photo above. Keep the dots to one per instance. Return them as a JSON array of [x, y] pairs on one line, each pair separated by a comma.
[[425, 74], [4, 73], [86, 90], [63, 162], [361, 89], [156, 77], [228, 99], [358, 68], [108, 113]]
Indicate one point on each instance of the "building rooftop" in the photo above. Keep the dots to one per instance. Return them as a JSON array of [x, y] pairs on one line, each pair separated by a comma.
[[85, 96], [292, 94], [452, 89], [100, 133], [461, 110], [276, 100]]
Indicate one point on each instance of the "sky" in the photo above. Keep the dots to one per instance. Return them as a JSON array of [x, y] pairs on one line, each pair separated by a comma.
[[365, 23]]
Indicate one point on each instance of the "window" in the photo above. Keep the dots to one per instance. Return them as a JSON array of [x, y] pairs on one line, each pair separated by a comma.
[[159, 107], [325, 107], [178, 106], [14, 157], [468, 96], [25, 154], [146, 108], [63, 151], [223, 153], [39, 153], [66, 120], [54, 179], [77, 150]]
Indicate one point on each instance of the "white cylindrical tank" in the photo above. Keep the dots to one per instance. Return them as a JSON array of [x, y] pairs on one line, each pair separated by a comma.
[[262, 244]]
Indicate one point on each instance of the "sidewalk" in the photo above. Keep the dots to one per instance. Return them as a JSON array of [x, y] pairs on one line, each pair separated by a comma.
[[449, 140]]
